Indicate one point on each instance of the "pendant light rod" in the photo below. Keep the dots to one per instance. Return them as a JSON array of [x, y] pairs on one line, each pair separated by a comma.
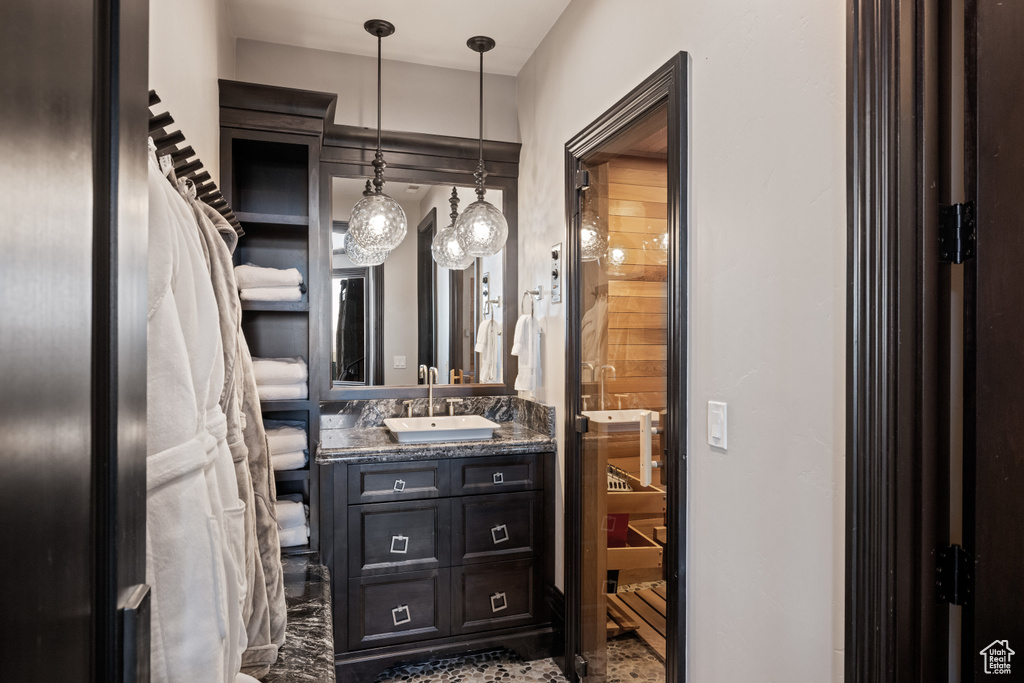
[[381, 29], [481, 44]]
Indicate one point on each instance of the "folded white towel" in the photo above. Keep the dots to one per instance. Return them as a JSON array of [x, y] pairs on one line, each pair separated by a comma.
[[526, 345], [290, 513], [282, 392], [279, 370], [292, 460], [271, 294], [488, 346], [286, 439], [294, 536], [248, 276]]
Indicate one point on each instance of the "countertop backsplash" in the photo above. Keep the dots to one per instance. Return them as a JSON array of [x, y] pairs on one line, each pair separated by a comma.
[[361, 414]]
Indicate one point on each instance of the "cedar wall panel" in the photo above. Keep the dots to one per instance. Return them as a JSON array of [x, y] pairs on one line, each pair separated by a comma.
[[636, 190]]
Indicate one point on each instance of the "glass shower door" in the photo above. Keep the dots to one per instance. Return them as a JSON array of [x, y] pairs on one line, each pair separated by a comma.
[[623, 293]]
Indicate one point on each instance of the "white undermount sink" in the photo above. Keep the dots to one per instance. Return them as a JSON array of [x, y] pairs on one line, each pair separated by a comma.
[[617, 420], [440, 428]]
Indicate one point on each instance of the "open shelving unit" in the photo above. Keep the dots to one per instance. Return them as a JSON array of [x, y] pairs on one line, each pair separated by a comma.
[[270, 157]]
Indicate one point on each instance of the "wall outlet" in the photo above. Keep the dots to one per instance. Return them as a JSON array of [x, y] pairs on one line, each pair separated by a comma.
[[717, 424], [400, 362]]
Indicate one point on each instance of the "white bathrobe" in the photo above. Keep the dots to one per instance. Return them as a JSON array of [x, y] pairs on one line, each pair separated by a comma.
[[195, 537]]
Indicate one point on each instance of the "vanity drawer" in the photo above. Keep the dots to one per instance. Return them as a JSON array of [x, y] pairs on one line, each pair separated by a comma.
[[501, 473], [385, 538], [384, 610], [496, 527], [493, 596], [380, 482]]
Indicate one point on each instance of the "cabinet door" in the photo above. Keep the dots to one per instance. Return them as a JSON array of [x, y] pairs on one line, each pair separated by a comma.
[[492, 596], [384, 610], [380, 482], [386, 538], [502, 473], [496, 527]]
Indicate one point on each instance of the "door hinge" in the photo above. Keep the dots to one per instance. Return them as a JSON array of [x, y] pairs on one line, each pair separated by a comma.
[[582, 179], [582, 424], [956, 232], [580, 664], [953, 575]]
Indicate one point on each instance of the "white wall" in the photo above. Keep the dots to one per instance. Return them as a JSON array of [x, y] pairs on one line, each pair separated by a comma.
[[767, 244], [415, 98], [191, 45]]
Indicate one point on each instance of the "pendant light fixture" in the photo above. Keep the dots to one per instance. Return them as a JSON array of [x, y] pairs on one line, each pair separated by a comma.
[[593, 231], [378, 223], [355, 253], [447, 251], [481, 229]]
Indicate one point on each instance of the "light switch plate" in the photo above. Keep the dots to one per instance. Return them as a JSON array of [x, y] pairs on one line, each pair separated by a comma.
[[718, 424], [399, 362], [556, 273]]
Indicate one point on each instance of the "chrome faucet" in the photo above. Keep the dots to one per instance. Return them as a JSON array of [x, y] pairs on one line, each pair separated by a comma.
[[585, 364], [600, 371], [430, 376]]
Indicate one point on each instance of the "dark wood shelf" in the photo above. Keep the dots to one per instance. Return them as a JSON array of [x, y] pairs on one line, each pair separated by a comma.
[[250, 218], [285, 306], [284, 406], [291, 475], [297, 550]]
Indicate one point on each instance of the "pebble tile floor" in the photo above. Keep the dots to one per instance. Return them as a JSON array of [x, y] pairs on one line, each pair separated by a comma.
[[629, 661]]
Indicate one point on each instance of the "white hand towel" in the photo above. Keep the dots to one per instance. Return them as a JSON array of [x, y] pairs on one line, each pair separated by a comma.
[[282, 392], [291, 460], [271, 294], [294, 536], [279, 370], [249, 276], [290, 513], [489, 347], [526, 345], [286, 439]]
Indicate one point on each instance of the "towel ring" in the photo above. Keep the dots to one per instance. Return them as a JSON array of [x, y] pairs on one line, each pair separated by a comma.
[[537, 295]]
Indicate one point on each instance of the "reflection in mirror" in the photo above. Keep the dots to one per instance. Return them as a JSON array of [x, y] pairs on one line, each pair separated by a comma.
[[431, 316]]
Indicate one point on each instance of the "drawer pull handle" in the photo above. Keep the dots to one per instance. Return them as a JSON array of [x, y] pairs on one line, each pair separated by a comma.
[[399, 486], [400, 615], [499, 534], [498, 478], [400, 544], [498, 602]]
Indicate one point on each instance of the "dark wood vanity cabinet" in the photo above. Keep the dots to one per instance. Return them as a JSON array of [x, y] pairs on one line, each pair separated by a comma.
[[434, 557]]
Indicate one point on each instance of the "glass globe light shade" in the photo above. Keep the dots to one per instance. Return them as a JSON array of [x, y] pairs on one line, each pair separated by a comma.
[[447, 251], [656, 248], [362, 257], [593, 236], [481, 229], [377, 223], [616, 256]]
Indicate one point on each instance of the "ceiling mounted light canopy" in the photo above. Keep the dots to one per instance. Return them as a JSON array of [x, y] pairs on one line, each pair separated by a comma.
[[445, 248], [378, 223], [481, 229]]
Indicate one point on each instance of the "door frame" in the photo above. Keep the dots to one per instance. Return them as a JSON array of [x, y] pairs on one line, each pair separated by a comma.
[[897, 457], [670, 84]]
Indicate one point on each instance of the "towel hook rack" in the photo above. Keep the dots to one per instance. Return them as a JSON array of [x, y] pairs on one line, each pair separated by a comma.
[[488, 302], [537, 295]]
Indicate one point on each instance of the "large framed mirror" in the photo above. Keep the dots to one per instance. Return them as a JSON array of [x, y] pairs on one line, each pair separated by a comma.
[[378, 324]]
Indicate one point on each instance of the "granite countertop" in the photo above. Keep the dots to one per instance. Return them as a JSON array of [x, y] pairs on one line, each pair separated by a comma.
[[307, 655], [377, 444]]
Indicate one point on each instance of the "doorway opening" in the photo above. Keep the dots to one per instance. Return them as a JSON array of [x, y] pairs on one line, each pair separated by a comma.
[[626, 387]]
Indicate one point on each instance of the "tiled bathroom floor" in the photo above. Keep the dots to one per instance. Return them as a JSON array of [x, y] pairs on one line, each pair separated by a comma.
[[629, 661]]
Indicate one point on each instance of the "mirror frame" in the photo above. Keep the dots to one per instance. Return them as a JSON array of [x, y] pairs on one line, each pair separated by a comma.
[[347, 152]]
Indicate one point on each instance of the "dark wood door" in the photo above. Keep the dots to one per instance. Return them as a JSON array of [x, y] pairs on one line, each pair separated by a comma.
[[994, 341], [73, 213]]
